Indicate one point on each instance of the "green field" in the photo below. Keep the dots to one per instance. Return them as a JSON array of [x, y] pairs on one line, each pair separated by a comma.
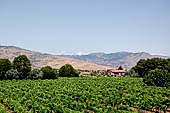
[[88, 95]]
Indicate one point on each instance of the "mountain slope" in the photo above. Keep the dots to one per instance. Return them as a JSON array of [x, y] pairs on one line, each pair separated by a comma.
[[39, 59], [126, 59]]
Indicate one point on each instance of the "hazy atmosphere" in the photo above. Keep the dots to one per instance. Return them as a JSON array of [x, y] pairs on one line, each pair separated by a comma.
[[84, 56], [86, 26]]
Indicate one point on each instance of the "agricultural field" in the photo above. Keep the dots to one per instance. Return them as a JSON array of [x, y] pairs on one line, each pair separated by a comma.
[[86, 95]]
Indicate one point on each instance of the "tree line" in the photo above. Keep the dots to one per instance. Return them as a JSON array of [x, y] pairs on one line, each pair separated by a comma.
[[21, 68], [155, 71]]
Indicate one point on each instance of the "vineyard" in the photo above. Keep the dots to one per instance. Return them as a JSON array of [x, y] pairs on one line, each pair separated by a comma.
[[86, 95]]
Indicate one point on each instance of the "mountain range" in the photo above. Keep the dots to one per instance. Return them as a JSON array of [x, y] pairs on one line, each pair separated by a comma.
[[39, 60], [125, 59], [93, 61]]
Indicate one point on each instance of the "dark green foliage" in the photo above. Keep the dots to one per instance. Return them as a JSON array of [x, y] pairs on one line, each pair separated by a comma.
[[168, 59], [139, 68], [131, 73], [35, 74], [93, 73], [11, 74], [144, 66], [22, 65], [68, 71], [120, 68], [5, 65], [49, 73], [156, 71], [158, 77]]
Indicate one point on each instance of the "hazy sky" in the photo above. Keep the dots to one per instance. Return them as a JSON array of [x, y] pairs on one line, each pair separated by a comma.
[[72, 26]]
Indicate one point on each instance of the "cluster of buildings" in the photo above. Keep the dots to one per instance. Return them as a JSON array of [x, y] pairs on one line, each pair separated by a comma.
[[113, 72], [108, 72]]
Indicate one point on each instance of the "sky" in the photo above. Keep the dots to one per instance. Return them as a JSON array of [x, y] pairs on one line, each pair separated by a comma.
[[86, 26]]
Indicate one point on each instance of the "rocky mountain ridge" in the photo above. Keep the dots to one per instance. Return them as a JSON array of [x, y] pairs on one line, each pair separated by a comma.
[[125, 59], [39, 60]]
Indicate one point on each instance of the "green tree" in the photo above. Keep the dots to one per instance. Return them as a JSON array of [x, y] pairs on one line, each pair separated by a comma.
[[144, 66], [68, 71], [49, 73], [22, 65], [139, 68], [158, 77], [120, 68], [11, 74], [5, 65], [35, 74]]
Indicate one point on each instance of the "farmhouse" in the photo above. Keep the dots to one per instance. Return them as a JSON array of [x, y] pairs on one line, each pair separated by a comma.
[[115, 72]]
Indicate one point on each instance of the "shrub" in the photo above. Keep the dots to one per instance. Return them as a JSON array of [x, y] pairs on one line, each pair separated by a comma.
[[68, 71], [5, 65], [157, 77], [35, 74], [22, 65], [49, 73], [11, 74], [93, 74], [131, 73]]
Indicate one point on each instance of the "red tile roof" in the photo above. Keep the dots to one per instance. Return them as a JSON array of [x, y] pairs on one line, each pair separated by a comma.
[[117, 71]]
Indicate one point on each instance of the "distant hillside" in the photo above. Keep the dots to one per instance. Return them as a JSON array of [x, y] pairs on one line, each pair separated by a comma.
[[126, 59], [39, 59]]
